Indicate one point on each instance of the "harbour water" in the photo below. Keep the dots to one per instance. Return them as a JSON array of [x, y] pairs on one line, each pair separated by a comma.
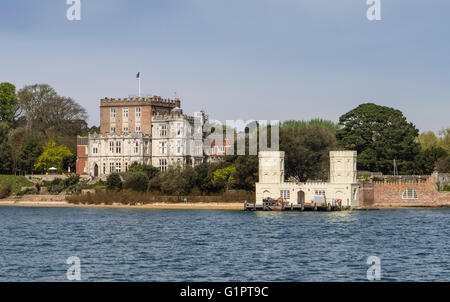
[[190, 245]]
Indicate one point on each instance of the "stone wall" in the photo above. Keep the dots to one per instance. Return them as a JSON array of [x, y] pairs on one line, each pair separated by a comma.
[[390, 193]]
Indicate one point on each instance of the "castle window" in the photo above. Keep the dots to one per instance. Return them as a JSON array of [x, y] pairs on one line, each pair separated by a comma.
[[95, 150], [285, 194], [111, 147], [104, 168], [113, 129], [125, 130], [162, 164], [118, 147], [409, 194], [125, 112], [138, 112], [111, 167], [163, 130], [136, 147], [118, 167], [162, 148], [113, 112], [138, 129], [319, 192]]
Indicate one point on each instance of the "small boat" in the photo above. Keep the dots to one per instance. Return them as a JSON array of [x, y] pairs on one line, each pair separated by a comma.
[[270, 204]]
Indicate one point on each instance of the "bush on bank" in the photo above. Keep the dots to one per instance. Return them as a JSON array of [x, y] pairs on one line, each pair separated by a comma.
[[130, 197]]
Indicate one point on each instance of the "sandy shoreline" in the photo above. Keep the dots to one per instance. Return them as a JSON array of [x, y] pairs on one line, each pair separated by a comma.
[[156, 205], [235, 206]]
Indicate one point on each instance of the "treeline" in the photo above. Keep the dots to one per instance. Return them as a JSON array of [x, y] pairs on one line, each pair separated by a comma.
[[38, 129]]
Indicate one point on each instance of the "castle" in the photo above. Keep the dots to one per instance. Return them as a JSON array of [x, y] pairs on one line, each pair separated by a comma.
[[151, 131], [343, 185]]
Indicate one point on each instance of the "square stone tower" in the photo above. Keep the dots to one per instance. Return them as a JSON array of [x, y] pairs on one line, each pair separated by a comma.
[[271, 167], [343, 167]]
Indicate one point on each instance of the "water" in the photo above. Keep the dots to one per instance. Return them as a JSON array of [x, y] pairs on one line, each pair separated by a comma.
[[183, 245]]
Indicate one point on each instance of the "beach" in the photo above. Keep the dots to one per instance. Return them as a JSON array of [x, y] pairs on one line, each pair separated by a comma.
[[156, 205]]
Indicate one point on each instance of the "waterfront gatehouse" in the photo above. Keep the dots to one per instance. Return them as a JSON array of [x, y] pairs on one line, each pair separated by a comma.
[[342, 186]]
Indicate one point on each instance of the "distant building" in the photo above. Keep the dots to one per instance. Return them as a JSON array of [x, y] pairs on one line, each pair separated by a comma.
[[343, 185], [151, 131], [218, 151]]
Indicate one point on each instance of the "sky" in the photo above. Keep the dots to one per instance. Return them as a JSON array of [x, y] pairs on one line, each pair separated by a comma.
[[237, 59]]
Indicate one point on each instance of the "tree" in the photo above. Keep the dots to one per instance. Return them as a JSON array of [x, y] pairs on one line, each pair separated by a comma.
[[69, 161], [52, 156], [56, 117], [246, 174], [31, 98], [443, 164], [307, 152], [426, 160], [428, 140], [5, 150], [29, 153], [114, 182], [137, 181], [8, 103], [149, 170], [379, 134]]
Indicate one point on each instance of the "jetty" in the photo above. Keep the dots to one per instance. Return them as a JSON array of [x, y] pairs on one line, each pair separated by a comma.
[[270, 205]]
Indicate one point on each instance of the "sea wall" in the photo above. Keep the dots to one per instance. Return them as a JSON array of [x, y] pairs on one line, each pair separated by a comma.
[[402, 192]]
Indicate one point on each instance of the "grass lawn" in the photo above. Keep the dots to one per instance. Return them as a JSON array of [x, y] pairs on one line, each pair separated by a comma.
[[16, 182]]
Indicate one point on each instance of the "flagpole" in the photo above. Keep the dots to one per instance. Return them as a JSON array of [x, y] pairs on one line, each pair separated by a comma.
[[139, 84]]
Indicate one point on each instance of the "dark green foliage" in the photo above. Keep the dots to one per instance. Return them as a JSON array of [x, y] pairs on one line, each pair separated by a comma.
[[6, 162], [443, 164], [379, 134], [246, 174], [8, 103], [29, 153], [137, 181], [426, 160], [114, 182], [149, 170], [307, 151], [69, 161], [71, 180]]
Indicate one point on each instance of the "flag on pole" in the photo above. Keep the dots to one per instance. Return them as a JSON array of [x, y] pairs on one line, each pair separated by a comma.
[[138, 76]]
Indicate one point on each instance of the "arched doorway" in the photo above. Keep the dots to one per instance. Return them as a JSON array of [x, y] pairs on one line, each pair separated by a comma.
[[95, 170], [300, 197]]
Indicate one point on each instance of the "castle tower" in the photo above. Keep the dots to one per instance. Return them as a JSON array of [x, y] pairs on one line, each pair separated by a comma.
[[343, 167], [271, 167]]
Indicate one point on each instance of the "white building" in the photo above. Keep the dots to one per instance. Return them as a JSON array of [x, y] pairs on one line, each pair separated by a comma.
[[343, 185], [176, 139]]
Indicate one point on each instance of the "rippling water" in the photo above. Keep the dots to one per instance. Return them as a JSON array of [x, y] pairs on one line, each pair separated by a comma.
[[188, 245]]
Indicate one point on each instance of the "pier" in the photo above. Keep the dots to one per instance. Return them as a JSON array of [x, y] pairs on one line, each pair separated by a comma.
[[295, 207]]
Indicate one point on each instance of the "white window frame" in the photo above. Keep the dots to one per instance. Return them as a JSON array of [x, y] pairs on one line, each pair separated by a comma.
[[111, 147], [138, 112], [410, 194], [118, 147], [285, 194], [125, 113], [113, 112]]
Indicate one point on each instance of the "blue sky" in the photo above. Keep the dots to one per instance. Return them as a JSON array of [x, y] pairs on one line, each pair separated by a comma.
[[238, 59]]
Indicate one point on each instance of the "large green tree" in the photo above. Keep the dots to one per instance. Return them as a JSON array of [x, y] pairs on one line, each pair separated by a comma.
[[379, 134], [29, 153], [52, 156], [307, 151], [8, 103], [6, 162]]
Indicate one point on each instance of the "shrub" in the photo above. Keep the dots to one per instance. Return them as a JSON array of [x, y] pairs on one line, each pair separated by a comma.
[[71, 180], [137, 181], [5, 190], [149, 170], [447, 188], [113, 182]]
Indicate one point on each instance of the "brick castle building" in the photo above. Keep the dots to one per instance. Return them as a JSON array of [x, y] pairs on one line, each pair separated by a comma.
[[151, 131]]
